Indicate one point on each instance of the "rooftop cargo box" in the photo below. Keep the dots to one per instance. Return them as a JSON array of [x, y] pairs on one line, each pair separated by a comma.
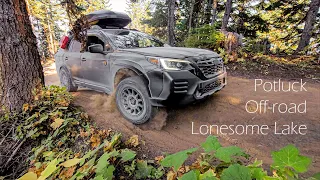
[[106, 18]]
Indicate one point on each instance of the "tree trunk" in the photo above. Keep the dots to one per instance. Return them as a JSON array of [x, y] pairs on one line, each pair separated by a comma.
[[191, 15], [226, 14], [20, 67], [171, 22], [50, 31], [207, 13], [197, 8], [240, 22], [214, 13], [309, 23]]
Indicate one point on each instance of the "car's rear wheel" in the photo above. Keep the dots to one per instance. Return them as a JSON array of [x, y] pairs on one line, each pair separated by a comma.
[[133, 100], [66, 80]]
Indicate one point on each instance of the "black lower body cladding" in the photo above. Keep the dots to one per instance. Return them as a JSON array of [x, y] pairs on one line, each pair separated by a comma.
[[179, 88]]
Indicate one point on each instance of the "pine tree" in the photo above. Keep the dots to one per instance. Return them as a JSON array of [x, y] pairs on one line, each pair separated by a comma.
[[46, 15], [309, 24], [285, 18], [158, 20], [139, 12], [20, 67], [94, 5]]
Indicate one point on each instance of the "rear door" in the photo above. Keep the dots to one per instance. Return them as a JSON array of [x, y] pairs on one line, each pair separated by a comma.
[[73, 59], [95, 66]]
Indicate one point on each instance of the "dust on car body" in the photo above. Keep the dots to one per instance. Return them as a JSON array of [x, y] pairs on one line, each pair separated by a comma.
[[160, 75]]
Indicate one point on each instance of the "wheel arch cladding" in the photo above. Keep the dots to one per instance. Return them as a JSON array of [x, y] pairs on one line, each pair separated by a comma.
[[125, 72]]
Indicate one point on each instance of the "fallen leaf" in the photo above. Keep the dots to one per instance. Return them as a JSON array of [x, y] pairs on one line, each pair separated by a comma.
[[77, 154], [47, 153], [133, 141], [158, 159], [71, 162], [67, 173], [187, 168], [29, 176], [60, 143], [52, 166], [48, 93], [171, 175], [83, 133], [95, 140], [84, 115], [182, 170], [25, 107], [57, 123], [109, 145]]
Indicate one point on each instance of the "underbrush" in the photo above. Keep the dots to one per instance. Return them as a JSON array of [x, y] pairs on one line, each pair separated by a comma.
[[205, 37], [52, 139], [259, 65]]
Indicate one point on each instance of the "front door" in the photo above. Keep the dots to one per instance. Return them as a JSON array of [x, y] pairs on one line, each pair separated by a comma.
[[95, 66]]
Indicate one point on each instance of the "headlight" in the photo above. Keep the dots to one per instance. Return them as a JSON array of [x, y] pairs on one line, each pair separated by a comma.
[[170, 64]]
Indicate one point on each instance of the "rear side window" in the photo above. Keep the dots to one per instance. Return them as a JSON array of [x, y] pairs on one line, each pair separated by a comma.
[[75, 46]]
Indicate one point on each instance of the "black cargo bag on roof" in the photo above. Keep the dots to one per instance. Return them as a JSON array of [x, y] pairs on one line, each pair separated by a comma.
[[106, 18]]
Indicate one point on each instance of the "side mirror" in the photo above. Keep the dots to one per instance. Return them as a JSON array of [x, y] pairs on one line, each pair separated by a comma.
[[107, 48], [96, 48]]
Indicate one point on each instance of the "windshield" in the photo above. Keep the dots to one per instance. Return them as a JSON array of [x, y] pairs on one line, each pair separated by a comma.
[[127, 39]]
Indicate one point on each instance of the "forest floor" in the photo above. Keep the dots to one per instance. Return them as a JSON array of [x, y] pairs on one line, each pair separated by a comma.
[[171, 130]]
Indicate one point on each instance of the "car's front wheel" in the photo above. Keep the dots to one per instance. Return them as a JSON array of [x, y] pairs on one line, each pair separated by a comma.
[[133, 100]]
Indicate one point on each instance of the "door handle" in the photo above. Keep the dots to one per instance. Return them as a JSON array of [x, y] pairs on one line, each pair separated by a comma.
[[83, 59], [66, 58]]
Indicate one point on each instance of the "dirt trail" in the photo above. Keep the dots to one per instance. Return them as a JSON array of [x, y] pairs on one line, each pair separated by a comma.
[[171, 130]]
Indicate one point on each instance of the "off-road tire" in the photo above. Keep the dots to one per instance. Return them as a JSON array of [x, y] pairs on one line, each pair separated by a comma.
[[66, 80], [133, 100]]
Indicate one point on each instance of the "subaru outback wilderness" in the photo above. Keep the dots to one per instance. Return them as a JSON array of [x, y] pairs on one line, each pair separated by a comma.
[[160, 75]]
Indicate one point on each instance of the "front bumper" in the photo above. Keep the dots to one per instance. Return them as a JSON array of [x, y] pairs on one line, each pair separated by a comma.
[[171, 88]]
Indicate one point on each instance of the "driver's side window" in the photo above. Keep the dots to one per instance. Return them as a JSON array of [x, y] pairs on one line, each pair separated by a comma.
[[92, 40]]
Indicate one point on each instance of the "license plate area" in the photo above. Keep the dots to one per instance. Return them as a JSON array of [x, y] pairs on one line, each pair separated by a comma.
[[206, 87]]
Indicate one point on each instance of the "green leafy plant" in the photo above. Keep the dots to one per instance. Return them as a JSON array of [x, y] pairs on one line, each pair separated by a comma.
[[288, 162], [70, 147], [177, 159], [226, 163]]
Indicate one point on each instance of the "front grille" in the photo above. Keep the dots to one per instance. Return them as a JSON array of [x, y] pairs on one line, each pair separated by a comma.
[[180, 87], [210, 67], [211, 86]]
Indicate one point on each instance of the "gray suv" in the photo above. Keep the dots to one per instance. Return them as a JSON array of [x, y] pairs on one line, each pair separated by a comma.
[[144, 72]]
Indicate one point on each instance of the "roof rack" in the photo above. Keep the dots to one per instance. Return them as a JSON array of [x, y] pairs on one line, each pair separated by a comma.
[[108, 19]]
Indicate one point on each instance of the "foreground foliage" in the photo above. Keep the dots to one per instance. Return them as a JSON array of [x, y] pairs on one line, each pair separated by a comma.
[[228, 163], [67, 146]]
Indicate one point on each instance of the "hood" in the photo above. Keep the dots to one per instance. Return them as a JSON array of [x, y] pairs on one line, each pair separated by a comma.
[[173, 52]]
